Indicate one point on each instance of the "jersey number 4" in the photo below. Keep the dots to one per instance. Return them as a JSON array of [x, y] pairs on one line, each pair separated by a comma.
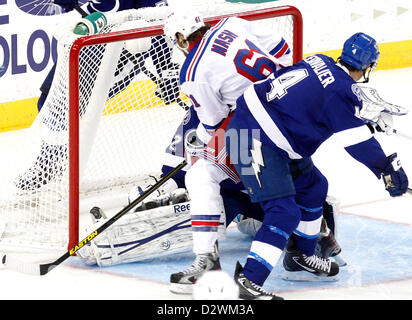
[[280, 84]]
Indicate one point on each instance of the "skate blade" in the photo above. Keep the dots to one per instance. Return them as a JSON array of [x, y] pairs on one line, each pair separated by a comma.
[[180, 288], [339, 260], [306, 276]]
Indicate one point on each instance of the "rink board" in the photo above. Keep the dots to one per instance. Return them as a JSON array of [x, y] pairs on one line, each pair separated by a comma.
[[376, 252]]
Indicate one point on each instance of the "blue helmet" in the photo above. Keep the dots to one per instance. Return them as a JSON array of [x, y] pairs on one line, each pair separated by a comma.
[[360, 51]]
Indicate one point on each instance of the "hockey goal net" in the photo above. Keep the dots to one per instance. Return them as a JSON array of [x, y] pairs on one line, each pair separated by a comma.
[[112, 111]]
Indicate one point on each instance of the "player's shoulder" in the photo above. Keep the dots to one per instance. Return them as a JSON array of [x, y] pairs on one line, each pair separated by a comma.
[[335, 79], [321, 63], [346, 87], [189, 66], [200, 60], [236, 20], [239, 24], [231, 23]]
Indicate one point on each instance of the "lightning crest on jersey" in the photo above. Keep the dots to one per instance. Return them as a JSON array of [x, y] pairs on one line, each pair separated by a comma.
[[257, 157]]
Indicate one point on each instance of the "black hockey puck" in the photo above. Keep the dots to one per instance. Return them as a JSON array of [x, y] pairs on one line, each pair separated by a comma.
[[96, 212]]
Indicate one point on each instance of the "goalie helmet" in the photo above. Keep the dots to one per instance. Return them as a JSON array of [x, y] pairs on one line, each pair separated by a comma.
[[361, 52], [184, 21]]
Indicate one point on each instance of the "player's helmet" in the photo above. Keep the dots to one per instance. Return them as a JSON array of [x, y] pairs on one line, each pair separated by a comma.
[[184, 21], [361, 52]]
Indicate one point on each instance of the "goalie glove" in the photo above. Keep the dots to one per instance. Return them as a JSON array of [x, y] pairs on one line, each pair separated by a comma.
[[394, 177], [91, 24], [374, 103], [376, 112]]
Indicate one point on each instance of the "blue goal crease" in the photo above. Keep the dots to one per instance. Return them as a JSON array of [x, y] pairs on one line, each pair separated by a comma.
[[375, 251]]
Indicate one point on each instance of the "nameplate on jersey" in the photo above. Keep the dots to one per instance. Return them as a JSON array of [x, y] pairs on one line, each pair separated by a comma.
[[222, 42], [318, 66]]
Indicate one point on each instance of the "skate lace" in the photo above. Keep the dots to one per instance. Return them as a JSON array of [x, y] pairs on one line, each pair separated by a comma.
[[260, 289], [198, 265], [318, 263]]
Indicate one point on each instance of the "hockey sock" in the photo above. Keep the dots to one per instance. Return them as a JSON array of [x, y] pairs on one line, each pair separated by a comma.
[[306, 234], [281, 218]]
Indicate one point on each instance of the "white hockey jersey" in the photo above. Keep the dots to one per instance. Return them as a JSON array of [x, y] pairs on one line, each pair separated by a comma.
[[232, 55]]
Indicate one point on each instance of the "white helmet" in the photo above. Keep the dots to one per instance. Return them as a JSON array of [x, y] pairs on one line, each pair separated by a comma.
[[184, 21]]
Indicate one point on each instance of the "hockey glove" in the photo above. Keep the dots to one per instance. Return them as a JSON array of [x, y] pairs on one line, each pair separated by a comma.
[[394, 177], [193, 145], [384, 123]]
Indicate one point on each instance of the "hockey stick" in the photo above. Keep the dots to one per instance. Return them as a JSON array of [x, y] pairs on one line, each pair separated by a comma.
[[42, 269], [406, 136], [402, 134]]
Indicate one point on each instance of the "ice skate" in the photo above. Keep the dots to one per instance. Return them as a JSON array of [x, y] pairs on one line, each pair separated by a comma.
[[249, 290], [182, 282], [328, 247], [300, 267]]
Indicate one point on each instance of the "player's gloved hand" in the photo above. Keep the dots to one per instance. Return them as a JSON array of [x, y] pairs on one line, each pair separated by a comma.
[[193, 145], [168, 86], [394, 177], [383, 123], [91, 24]]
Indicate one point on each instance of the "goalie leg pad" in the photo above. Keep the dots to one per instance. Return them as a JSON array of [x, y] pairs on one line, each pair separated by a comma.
[[142, 235], [331, 210]]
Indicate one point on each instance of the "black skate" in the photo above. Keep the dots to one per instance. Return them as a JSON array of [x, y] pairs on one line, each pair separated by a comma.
[[182, 282], [249, 290], [299, 267], [327, 246]]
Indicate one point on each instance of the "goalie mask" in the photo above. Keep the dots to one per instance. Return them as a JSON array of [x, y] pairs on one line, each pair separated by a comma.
[[361, 52], [183, 21]]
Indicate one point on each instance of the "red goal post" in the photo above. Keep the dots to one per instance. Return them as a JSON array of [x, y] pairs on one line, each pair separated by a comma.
[[144, 32]]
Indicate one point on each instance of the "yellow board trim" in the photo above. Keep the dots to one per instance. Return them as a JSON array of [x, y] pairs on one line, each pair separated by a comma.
[[21, 114], [394, 55]]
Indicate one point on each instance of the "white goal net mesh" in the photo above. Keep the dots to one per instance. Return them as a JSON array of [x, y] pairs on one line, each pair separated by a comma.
[[129, 109]]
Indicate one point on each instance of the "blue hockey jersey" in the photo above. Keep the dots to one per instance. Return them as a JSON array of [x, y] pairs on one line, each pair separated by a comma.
[[301, 106]]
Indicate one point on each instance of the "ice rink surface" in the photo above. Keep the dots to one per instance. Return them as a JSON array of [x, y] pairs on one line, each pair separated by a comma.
[[375, 232]]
